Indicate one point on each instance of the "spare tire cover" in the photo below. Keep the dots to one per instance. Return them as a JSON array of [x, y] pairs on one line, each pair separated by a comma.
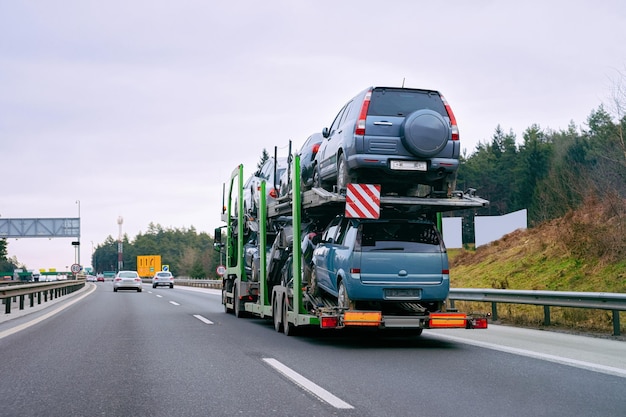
[[426, 133]]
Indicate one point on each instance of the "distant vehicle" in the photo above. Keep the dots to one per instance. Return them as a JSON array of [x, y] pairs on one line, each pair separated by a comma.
[[127, 280], [396, 137], [48, 278], [108, 275], [163, 278], [100, 278], [91, 278]]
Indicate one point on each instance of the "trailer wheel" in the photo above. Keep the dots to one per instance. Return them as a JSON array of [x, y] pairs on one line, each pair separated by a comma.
[[276, 311], [288, 328]]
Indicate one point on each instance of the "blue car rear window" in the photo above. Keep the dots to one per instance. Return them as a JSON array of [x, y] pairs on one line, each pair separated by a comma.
[[402, 236], [397, 102]]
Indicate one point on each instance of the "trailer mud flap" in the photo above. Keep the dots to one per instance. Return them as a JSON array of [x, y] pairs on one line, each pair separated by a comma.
[[447, 321], [362, 318]]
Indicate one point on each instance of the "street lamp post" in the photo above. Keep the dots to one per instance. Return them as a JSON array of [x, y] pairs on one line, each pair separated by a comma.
[[78, 240], [120, 258]]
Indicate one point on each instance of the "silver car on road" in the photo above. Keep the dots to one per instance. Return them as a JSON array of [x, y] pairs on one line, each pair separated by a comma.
[[127, 280]]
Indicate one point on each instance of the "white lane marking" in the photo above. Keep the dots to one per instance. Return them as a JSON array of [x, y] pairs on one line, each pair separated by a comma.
[[536, 355], [307, 385], [203, 319], [174, 303], [45, 316], [159, 296]]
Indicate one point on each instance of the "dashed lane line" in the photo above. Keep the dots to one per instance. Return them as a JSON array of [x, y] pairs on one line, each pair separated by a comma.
[[307, 384], [203, 319]]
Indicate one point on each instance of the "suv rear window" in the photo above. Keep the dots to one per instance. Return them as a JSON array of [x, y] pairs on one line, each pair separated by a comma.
[[402, 236], [398, 102]]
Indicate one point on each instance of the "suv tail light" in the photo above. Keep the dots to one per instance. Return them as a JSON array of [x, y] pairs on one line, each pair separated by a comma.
[[453, 125], [316, 148], [273, 193], [360, 124]]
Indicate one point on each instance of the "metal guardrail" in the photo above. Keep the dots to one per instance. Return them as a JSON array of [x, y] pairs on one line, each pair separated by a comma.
[[36, 292], [592, 300], [202, 283], [614, 302]]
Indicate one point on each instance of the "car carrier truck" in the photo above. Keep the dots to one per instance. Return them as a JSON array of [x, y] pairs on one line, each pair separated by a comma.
[[266, 275]]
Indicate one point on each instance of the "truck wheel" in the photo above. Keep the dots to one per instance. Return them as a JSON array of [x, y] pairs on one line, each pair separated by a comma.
[[276, 310], [342, 296], [288, 328]]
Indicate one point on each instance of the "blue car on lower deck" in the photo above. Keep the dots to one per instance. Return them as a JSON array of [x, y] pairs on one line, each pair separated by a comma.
[[394, 262]]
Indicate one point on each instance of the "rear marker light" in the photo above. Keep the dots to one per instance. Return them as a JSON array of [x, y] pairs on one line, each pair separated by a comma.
[[316, 148], [329, 322], [360, 124], [453, 126]]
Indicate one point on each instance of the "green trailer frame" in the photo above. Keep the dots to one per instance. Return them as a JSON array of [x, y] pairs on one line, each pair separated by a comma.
[[235, 276]]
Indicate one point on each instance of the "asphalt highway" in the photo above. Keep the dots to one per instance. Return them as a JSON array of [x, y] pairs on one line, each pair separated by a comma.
[[174, 352]]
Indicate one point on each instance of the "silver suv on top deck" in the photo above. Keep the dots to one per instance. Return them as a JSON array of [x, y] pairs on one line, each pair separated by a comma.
[[396, 137]]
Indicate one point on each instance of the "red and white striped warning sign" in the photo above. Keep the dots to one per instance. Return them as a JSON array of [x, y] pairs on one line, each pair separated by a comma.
[[363, 201]]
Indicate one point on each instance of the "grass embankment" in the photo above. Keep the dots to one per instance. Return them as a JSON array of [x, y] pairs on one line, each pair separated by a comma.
[[583, 251]]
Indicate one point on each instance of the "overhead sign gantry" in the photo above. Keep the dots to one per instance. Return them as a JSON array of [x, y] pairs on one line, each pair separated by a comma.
[[51, 227]]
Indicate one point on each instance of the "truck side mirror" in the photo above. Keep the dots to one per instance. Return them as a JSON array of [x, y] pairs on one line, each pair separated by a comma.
[[217, 240]]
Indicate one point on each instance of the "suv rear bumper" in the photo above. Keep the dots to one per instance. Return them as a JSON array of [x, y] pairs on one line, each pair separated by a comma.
[[368, 168]]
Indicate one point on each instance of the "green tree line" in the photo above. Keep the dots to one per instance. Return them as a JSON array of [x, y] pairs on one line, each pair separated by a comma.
[[187, 252], [550, 172]]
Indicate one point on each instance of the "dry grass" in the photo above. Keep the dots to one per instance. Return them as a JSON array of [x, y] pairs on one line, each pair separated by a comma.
[[583, 251]]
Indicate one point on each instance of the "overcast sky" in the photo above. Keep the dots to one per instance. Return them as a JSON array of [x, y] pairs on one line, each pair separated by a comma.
[[142, 109]]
